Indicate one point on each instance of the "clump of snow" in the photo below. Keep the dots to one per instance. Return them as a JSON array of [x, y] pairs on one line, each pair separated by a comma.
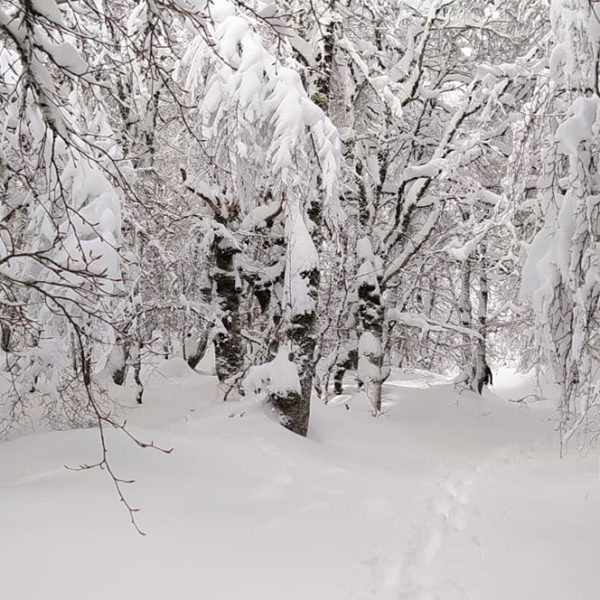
[[48, 9], [279, 376], [65, 55], [369, 267], [302, 258], [429, 170], [369, 345], [579, 126]]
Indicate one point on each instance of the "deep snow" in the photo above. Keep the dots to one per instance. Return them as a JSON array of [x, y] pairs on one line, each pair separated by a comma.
[[444, 497]]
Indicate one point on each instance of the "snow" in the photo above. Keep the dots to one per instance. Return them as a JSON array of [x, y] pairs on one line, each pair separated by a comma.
[[444, 496], [48, 9], [579, 127], [243, 79], [430, 169], [302, 257], [260, 215], [369, 266], [66, 56], [543, 256], [278, 376], [369, 345]]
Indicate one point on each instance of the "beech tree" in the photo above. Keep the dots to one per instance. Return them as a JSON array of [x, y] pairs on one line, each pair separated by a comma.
[[62, 183], [261, 107], [561, 273], [311, 189]]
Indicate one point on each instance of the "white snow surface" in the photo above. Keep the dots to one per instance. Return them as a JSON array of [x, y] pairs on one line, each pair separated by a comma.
[[445, 497]]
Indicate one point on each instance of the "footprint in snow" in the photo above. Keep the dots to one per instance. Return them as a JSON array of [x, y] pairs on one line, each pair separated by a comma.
[[446, 516]]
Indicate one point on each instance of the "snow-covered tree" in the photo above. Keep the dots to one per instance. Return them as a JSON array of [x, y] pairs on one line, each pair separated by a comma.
[[561, 273], [62, 180], [272, 169]]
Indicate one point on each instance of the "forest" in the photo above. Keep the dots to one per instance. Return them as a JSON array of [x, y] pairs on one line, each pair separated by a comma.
[[229, 225]]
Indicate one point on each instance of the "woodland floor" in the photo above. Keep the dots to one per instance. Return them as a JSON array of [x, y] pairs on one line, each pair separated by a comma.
[[445, 497]]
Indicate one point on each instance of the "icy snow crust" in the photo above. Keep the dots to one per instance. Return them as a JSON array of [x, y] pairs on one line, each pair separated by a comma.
[[443, 497]]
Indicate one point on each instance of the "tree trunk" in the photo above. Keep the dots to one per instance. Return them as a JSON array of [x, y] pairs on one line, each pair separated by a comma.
[[119, 371], [371, 313], [201, 344], [302, 335], [229, 347], [295, 406], [370, 344], [465, 309], [482, 371], [477, 372], [137, 373], [5, 338], [347, 360]]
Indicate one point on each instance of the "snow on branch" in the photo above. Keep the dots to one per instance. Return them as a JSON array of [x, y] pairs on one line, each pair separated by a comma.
[[245, 90], [425, 324]]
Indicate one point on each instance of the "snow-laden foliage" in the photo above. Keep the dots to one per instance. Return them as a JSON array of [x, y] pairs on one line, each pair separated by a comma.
[[271, 152], [61, 206], [561, 276], [311, 189]]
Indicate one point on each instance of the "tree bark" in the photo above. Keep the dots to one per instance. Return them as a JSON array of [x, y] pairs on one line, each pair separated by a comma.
[[348, 360], [482, 371], [370, 345], [119, 371], [198, 353], [5, 337], [302, 335], [229, 347]]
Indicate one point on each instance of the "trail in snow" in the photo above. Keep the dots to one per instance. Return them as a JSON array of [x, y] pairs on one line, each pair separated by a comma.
[[457, 502], [445, 497], [447, 516]]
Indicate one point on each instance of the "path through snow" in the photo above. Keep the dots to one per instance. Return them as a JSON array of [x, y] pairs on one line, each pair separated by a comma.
[[445, 497]]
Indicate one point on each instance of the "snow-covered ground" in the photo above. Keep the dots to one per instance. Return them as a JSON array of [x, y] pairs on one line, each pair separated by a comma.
[[444, 497]]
